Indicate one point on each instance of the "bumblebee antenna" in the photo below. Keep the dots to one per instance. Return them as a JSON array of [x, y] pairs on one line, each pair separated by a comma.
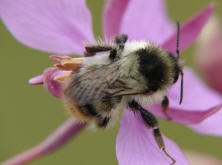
[[181, 87], [178, 39], [178, 56]]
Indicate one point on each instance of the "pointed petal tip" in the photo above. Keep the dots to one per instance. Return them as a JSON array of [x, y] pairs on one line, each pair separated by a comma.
[[213, 110], [190, 30], [37, 80], [209, 126], [209, 8], [186, 116], [212, 5]]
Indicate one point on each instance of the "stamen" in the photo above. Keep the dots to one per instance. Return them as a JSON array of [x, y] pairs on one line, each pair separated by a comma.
[[70, 64], [62, 78]]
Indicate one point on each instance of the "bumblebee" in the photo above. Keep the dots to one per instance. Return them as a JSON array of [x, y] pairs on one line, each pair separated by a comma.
[[122, 74]]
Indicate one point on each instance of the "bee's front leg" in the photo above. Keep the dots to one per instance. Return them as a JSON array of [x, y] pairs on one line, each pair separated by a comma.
[[165, 107], [91, 50], [120, 40], [152, 122]]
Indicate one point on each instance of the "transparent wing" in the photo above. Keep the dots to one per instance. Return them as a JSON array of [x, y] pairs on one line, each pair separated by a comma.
[[102, 83], [91, 86]]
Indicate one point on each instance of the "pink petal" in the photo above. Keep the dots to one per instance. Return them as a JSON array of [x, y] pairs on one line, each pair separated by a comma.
[[210, 126], [140, 19], [49, 25], [37, 80], [185, 116], [199, 103], [147, 20], [196, 94], [112, 16], [136, 145], [53, 142], [59, 58], [209, 54], [209, 57], [50, 84], [190, 30]]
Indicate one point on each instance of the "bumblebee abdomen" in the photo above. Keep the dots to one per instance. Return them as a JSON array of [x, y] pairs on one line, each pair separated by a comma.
[[77, 112], [99, 112], [87, 113]]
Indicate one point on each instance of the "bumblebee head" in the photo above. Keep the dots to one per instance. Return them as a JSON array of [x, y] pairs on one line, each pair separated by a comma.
[[160, 68]]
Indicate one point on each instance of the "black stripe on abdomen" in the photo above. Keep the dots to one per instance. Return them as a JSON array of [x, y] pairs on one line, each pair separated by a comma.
[[90, 110]]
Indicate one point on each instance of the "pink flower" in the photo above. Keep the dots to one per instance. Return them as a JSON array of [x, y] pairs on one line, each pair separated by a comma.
[[209, 62], [62, 27], [210, 42]]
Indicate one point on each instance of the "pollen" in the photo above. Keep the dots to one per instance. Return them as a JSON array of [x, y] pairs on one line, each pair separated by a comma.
[[66, 63]]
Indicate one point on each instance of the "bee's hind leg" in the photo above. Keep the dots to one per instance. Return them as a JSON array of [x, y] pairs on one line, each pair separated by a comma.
[[165, 107], [152, 122], [103, 121]]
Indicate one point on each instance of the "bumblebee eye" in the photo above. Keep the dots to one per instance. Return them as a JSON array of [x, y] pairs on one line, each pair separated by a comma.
[[112, 54], [176, 74]]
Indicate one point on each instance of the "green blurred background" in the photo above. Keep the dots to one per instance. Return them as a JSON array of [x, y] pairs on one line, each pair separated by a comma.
[[28, 114]]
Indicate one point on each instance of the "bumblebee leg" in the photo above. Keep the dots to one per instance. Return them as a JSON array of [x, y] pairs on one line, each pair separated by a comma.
[[152, 122], [165, 107], [103, 122], [91, 50]]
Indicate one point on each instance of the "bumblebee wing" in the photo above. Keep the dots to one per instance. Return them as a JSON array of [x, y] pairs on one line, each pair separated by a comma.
[[123, 88], [91, 86]]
